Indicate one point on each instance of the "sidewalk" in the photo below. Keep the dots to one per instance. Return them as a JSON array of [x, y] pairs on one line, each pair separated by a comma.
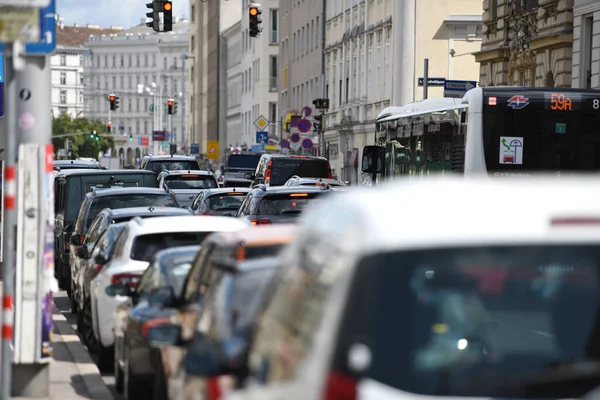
[[73, 373]]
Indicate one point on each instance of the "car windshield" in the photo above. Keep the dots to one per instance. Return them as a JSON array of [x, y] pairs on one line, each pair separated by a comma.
[[286, 204], [226, 201], [146, 246], [129, 200], [284, 168], [191, 182], [469, 321], [169, 165]]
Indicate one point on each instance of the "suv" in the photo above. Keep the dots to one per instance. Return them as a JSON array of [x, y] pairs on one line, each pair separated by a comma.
[[157, 164], [60, 165], [185, 185], [276, 169], [276, 205], [237, 168]]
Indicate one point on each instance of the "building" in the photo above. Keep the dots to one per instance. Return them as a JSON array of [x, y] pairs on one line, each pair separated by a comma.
[[586, 52], [301, 55], [66, 65], [260, 73], [144, 70], [232, 38], [359, 55], [527, 43]]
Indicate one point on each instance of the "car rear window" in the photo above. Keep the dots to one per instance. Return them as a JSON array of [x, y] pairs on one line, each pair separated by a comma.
[[191, 182], [171, 165], [474, 322], [128, 201], [284, 168], [146, 246], [243, 161], [286, 204], [110, 185], [252, 252], [226, 201]]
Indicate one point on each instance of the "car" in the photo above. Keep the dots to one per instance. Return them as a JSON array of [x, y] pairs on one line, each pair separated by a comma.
[[61, 165], [276, 169], [157, 164], [186, 184], [223, 201]]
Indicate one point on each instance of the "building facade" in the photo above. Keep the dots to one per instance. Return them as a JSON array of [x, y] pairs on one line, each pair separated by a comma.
[[358, 64], [301, 39], [527, 43], [144, 70], [66, 65], [232, 39], [260, 73], [586, 44]]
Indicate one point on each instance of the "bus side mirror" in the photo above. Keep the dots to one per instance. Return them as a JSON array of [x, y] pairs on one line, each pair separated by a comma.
[[372, 159]]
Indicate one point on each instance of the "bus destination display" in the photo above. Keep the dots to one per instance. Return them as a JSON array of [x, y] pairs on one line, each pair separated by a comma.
[[561, 101]]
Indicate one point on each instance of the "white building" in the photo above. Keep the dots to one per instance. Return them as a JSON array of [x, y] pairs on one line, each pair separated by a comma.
[[144, 70], [66, 65], [260, 72], [232, 38], [586, 44]]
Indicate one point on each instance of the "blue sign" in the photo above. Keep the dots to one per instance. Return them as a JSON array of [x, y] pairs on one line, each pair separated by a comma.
[[304, 125], [195, 148], [432, 81], [1, 85], [307, 144], [458, 88], [257, 148], [47, 43], [307, 111], [262, 137], [284, 144]]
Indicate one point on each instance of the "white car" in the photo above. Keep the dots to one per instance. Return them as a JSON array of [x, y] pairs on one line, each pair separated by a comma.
[[463, 288], [132, 251]]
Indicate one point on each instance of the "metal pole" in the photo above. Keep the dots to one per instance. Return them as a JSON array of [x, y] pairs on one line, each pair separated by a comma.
[[183, 130], [425, 78], [193, 102], [322, 135], [170, 128], [109, 116], [10, 235]]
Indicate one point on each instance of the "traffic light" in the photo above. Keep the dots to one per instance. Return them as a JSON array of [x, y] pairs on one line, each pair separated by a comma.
[[109, 127], [113, 101], [318, 122], [130, 137], [166, 7], [170, 107], [321, 104], [174, 107], [254, 19], [117, 102], [154, 24]]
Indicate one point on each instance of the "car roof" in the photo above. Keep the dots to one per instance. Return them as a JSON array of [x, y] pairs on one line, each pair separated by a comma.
[[291, 189], [252, 236], [88, 171], [166, 157], [442, 212], [69, 162], [145, 211], [191, 223], [317, 180], [290, 156], [217, 191], [186, 172], [125, 190]]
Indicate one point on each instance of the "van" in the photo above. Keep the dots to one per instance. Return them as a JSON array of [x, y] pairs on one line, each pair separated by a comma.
[[276, 169], [70, 187]]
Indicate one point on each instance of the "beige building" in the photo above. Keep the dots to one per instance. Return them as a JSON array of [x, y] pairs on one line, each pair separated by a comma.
[[301, 54], [527, 43], [360, 70], [586, 44]]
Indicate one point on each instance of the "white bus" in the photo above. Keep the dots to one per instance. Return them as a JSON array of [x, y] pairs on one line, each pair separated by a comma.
[[500, 131]]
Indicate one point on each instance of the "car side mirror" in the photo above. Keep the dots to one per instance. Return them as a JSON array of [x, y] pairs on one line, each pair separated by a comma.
[[249, 176], [118, 289], [162, 297], [75, 240], [164, 335], [372, 159], [204, 358], [82, 252]]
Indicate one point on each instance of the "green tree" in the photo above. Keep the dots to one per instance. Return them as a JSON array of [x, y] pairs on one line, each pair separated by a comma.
[[80, 145]]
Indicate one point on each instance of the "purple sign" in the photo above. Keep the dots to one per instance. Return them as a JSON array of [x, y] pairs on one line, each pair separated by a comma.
[[285, 144]]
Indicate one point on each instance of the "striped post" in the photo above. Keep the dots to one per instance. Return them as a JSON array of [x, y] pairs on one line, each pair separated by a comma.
[[10, 203]]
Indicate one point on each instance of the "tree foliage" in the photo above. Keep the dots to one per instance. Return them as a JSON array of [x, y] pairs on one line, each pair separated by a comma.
[[80, 145]]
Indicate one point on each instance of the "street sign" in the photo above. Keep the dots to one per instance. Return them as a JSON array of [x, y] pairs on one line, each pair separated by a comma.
[[307, 143], [261, 123], [25, 3], [262, 137], [1, 85], [121, 127], [284, 144], [19, 24], [307, 111], [295, 137], [457, 89], [432, 81], [46, 37], [159, 136], [304, 125], [257, 148], [212, 150], [195, 148]]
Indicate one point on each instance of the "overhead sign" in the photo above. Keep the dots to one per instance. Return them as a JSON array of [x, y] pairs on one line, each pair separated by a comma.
[[457, 89], [262, 137], [432, 81], [25, 3], [212, 150], [45, 40], [19, 24], [261, 123]]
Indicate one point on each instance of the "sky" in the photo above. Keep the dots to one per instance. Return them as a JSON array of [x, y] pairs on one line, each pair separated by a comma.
[[125, 13]]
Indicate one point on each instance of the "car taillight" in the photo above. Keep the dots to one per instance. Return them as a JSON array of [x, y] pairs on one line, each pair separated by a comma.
[[151, 323], [268, 172], [260, 222], [329, 174], [126, 279], [98, 267], [340, 387], [213, 390]]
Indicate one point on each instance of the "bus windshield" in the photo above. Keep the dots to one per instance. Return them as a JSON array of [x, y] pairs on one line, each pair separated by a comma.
[[541, 130]]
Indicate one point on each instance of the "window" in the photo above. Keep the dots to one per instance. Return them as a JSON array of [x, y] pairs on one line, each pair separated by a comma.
[[63, 97], [586, 50], [387, 79], [378, 70], [129, 104], [274, 38], [273, 74], [63, 78], [145, 60], [493, 10], [193, 13], [114, 61], [63, 60], [370, 68], [114, 82], [81, 81], [80, 97]]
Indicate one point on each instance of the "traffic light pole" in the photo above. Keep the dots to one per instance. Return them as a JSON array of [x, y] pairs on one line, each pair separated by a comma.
[[109, 120], [170, 122]]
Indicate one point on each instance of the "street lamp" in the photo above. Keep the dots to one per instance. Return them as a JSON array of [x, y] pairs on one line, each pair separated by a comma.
[[193, 105]]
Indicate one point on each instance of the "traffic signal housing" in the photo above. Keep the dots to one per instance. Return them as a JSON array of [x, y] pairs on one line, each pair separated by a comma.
[[254, 20], [130, 137], [154, 16], [109, 127], [170, 106], [166, 7], [321, 104], [112, 99]]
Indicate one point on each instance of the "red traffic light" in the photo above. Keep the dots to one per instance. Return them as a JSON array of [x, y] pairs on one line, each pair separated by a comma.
[[170, 102], [108, 124], [254, 11], [111, 98]]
